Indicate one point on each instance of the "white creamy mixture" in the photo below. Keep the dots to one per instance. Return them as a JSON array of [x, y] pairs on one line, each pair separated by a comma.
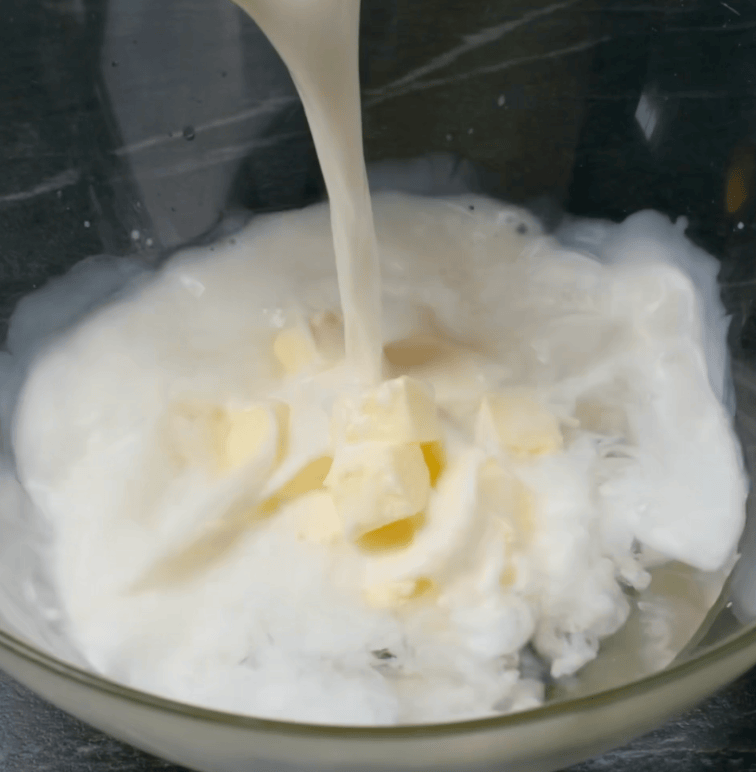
[[549, 427], [264, 504]]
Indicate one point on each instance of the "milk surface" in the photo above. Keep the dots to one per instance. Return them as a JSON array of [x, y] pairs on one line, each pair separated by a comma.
[[176, 580]]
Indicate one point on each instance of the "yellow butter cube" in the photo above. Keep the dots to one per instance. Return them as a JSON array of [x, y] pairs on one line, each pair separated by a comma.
[[221, 440], [374, 484], [517, 421], [308, 478], [244, 435], [304, 345], [503, 496], [396, 535], [315, 518], [435, 459], [388, 595], [395, 593], [295, 349]]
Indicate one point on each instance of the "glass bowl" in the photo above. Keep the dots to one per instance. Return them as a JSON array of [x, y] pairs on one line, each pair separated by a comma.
[[133, 129]]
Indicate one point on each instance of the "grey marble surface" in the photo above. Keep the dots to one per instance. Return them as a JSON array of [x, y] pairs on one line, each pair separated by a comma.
[[717, 736]]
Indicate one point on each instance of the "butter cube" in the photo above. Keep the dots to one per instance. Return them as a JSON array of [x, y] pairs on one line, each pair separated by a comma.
[[223, 440], [396, 535], [435, 459], [392, 594], [518, 422], [384, 596], [315, 518], [308, 478], [374, 484], [504, 497], [401, 410], [301, 347], [295, 349], [251, 433]]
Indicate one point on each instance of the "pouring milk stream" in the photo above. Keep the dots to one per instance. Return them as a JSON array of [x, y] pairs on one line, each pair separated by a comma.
[[319, 41]]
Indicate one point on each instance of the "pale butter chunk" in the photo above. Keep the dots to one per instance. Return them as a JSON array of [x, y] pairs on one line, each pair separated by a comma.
[[319, 340], [248, 433], [377, 483], [516, 421], [391, 594], [401, 410], [309, 428], [505, 497], [223, 440], [442, 548], [314, 518], [294, 349]]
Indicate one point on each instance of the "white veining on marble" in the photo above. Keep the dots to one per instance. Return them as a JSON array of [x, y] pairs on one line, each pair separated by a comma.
[[487, 70], [217, 156], [63, 180], [469, 43], [268, 106]]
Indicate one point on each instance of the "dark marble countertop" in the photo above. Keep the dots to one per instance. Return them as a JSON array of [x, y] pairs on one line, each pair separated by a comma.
[[718, 735]]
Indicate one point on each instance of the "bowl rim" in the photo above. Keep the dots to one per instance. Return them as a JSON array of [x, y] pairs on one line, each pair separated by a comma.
[[733, 644]]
